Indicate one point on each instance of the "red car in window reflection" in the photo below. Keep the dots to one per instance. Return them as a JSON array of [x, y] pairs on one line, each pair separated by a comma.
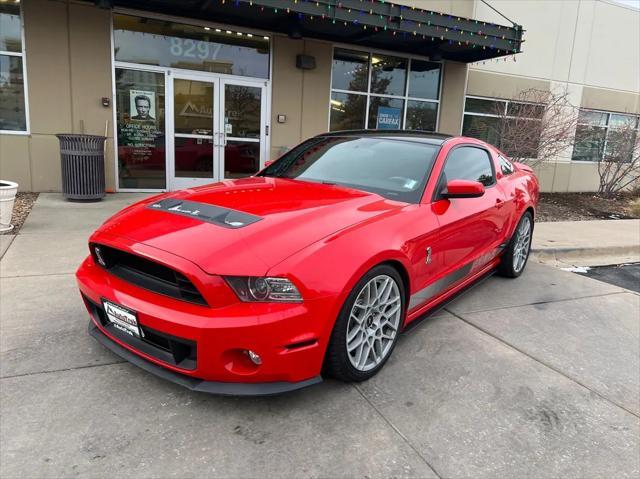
[[314, 266], [191, 154]]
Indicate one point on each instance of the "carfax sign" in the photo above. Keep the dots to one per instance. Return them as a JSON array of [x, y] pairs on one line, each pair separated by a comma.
[[388, 118]]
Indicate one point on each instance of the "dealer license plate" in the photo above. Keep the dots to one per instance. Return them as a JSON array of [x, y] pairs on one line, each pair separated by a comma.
[[122, 318]]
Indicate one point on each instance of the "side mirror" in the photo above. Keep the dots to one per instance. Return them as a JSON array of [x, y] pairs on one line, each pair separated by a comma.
[[463, 189], [268, 163]]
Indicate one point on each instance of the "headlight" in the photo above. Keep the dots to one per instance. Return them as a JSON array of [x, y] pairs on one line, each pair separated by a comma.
[[257, 289]]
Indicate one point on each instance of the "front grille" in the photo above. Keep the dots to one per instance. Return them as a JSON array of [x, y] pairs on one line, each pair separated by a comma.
[[146, 273], [179, 352]]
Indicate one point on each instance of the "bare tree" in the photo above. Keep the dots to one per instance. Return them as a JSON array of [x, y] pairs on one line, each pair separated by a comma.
[[619, 166], [535, 126]]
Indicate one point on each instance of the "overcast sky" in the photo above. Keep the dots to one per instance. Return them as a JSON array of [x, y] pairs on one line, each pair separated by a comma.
[[629, 3]]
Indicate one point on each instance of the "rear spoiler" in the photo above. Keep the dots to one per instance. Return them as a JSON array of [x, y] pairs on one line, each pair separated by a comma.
[[522, 166]]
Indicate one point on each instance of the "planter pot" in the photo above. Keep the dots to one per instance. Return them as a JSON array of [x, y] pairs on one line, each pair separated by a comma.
[[8, 190]]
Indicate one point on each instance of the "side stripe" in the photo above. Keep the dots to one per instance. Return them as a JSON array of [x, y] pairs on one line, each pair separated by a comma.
[[425, 294]]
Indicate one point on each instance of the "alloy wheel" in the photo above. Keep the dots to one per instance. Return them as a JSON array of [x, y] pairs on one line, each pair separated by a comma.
[[523, 241], [374, 321]]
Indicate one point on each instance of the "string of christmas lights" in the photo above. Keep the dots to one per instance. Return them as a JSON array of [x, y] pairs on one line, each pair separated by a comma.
[[331, 9]]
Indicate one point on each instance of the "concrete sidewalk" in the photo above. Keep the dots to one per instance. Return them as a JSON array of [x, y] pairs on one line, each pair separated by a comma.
[[587, 243], [532, 377]]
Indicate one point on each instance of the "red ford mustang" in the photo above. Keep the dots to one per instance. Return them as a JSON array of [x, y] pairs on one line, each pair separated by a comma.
[[315, 265]]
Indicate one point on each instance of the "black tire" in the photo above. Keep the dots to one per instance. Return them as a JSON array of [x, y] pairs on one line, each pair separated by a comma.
[[337, 363], [507, 267]]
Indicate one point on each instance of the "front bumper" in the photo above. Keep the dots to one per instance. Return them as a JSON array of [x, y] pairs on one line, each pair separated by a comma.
[[199, 385], [202, 348]]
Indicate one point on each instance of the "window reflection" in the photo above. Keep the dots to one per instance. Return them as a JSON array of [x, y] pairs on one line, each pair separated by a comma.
[[489, 119], [589, 144], [242, 110], [350, 70], [381, 93], [140, 128], [485, 128], [347, 111], [388, 75], [193, 157], [623, 121], [13, 115], [155, 42], [594, 118], [193, 107], [12, 110], [10, 28], [241, 158], [421, 115], [424, 79], [602, 135], [488, 107]]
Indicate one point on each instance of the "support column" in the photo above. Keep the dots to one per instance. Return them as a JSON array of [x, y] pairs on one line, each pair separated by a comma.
[[454, 85]]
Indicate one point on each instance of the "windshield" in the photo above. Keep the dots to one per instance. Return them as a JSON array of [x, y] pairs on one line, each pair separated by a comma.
[[394, 168]]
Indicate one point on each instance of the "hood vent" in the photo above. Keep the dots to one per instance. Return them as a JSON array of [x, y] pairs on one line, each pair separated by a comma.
[[216, 215]]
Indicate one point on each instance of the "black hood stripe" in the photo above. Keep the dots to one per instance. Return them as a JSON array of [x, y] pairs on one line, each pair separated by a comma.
[[208, 213]]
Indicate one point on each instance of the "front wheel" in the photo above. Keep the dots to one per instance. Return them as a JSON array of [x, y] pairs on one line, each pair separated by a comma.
[[515, 257], [367, 327]]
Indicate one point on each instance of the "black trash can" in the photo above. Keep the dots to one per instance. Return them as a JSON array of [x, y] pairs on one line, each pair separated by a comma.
[[82, 159]]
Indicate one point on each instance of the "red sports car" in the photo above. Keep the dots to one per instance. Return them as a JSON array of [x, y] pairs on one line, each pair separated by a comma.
[[314, 266]]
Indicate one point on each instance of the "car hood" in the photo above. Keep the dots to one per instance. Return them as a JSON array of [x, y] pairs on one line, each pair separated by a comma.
[[245, 226]]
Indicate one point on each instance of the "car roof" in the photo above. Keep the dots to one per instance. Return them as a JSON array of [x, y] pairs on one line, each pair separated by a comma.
[[411, 135]]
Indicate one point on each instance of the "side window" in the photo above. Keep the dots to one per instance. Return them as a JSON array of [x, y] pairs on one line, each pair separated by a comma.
[[505, 165], [469, 163]]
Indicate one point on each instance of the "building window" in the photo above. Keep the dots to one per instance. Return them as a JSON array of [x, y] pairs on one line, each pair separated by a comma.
[[600, 133], [495, 121], [13, 106], [176, 45], [371, 90]]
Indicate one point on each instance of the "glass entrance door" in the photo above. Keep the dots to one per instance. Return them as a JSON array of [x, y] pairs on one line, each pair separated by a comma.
[[244, 132], [194, 150], [218, 129]]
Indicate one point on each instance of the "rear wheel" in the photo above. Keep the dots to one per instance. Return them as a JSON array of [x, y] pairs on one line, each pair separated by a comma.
[[367, 327], [515, 257]]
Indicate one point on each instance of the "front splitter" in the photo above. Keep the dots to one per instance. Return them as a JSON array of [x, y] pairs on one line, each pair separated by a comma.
[[200, 385]]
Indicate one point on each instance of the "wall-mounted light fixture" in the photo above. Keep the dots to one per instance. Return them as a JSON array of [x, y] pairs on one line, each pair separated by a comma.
[[305, 62]]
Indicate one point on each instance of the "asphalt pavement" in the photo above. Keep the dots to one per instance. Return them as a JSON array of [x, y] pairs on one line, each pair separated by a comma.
[[533, 377], [623, 275]]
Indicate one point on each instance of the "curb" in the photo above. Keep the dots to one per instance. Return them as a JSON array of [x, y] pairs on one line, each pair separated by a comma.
[[590, 255]]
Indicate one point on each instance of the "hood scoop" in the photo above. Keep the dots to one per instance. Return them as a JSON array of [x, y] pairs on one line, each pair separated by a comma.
[[217, 215]]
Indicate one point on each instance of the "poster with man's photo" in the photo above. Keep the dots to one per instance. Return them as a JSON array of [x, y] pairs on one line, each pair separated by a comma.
[[139, 133], [142, 105]]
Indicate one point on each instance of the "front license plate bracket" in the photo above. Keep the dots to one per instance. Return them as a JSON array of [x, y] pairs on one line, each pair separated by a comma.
[[122, 318]]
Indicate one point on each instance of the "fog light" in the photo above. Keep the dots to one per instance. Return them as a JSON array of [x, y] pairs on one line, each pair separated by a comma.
[[255, 358]]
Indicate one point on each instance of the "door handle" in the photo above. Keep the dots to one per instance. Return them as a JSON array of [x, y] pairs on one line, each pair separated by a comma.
[[221, 139], [499, 203]]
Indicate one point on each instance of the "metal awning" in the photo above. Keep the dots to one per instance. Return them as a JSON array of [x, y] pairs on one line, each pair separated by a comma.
[[371, 23]]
